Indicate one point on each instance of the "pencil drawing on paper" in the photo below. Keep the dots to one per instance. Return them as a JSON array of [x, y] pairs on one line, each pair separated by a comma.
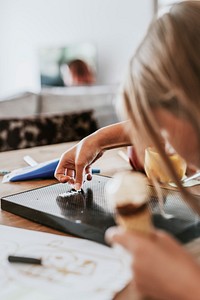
[[59, 263], [68, 264]]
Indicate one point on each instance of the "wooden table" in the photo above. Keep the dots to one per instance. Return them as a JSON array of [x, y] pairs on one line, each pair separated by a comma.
[[109, 163]]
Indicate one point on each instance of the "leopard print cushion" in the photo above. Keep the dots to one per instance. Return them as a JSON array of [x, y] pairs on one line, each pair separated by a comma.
[[19, 133]]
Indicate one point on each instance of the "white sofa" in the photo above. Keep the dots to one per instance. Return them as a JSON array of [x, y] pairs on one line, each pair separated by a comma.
[[101, 99]]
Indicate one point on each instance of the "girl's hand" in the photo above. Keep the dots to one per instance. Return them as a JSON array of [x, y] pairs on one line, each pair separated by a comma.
[[162, 269], [75, 163]]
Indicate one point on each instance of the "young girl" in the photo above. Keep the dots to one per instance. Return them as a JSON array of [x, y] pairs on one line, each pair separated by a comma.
[[161, 99]]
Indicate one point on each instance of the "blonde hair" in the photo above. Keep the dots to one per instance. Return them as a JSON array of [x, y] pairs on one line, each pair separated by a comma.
[[165, 73]]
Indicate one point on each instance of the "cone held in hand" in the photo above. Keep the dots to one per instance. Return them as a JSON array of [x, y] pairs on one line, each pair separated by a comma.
[[127, 193]]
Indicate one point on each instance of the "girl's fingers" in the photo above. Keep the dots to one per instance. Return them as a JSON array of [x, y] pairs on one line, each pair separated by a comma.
[[88, 173]]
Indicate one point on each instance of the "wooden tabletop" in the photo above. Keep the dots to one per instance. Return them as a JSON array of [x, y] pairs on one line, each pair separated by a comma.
[[109, 164]]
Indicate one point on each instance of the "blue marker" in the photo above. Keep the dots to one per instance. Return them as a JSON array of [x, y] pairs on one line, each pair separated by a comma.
[[96, 171], [4, 172]]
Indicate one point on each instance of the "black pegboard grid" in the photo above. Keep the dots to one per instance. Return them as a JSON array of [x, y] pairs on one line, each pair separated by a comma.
[[90, 217]]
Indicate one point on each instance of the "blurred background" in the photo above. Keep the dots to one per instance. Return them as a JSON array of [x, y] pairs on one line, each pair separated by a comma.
[[32, 31], [60, 57]]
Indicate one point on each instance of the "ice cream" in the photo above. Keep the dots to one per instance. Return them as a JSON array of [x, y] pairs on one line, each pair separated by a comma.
[[127, 193], [154, 167]]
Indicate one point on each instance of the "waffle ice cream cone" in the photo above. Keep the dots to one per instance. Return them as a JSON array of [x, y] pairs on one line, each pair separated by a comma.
[[127, 193], [140, 221]]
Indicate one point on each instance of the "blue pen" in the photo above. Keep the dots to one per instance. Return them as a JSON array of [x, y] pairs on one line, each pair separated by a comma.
[[96, 171], [4, 172]]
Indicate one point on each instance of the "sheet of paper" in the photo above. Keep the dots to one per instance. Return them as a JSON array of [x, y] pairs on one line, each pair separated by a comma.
[[72, 268]]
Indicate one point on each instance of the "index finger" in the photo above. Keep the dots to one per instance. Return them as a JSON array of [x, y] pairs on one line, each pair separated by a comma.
[[79, 176]]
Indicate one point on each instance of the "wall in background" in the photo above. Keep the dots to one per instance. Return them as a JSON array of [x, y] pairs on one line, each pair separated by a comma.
[[115, 27]]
